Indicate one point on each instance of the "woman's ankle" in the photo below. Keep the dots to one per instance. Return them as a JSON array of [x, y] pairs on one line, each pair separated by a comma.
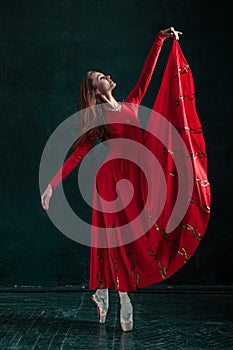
[[124, 298]]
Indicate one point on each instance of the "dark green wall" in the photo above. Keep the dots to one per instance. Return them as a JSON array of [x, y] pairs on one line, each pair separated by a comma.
[[46, 47]]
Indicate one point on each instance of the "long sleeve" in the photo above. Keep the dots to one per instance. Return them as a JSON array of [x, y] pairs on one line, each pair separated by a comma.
[[138, 92], [72, 162]]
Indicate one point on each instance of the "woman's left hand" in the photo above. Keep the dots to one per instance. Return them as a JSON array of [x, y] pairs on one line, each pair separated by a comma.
[[46, 196], [171, 33]]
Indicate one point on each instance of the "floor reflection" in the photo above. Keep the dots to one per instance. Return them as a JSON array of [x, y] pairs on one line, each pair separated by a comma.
[[127, 342], [104, 336]]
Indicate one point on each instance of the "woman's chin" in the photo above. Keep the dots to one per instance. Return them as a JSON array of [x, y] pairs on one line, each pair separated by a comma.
[[113, 85]]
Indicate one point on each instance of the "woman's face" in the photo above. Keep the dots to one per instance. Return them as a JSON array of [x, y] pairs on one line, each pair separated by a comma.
[[103, 83]]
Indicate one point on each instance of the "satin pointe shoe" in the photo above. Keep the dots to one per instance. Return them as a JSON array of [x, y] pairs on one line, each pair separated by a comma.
[[126, 316], [102, 307]]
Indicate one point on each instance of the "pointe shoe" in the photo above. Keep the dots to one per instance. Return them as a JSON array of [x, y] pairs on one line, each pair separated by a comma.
[[126, 316], [102, 308]]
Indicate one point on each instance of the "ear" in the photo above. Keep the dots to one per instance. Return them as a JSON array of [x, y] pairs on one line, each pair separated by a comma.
[[97, 92]]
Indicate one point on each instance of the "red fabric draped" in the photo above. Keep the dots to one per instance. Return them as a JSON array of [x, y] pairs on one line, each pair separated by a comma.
[[175, 101]]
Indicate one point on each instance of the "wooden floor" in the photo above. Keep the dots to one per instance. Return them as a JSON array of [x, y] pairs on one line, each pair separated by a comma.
[[163, 320]]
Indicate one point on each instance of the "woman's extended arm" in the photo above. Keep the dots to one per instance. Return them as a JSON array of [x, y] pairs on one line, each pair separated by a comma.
[[69, 165], [137, 94]]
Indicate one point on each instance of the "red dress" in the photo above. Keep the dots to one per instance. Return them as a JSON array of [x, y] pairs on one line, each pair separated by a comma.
[[149, 258]]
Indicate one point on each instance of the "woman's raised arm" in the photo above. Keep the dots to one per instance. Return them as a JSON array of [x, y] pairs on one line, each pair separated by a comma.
[[138, 92]]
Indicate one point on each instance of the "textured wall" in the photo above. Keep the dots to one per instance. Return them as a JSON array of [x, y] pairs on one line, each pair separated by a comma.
[[46, 47]]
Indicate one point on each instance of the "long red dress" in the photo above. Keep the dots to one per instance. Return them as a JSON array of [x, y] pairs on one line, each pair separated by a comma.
[[145, 259]]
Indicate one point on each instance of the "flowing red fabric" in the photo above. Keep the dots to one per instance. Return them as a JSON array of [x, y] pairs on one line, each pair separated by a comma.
[[175, 101]]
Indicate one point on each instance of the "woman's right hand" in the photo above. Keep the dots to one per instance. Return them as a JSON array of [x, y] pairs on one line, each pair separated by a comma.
[[45, 197], [171, 33]]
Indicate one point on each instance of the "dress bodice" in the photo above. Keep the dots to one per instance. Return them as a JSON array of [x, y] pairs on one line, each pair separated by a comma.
[[124, 124]]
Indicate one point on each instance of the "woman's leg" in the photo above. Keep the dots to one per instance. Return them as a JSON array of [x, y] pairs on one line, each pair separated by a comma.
[[103, 295], [101, 300], [126, 312]]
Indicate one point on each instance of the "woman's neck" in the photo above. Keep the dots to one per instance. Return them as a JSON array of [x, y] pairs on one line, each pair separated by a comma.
[[111, 102]]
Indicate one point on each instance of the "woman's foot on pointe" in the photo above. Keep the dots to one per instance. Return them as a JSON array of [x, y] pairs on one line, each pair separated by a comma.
[[101, 301], [126, 314]]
